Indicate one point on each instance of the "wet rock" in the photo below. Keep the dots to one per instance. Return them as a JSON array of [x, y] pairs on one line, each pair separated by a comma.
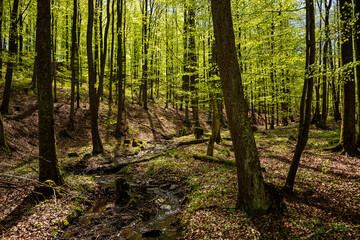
[[152, 234]]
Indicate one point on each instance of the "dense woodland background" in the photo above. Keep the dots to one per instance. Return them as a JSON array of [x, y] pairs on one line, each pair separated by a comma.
[[248, 110]]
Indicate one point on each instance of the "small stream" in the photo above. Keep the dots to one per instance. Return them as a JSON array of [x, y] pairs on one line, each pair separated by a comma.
[[106, 220], [161, 226]]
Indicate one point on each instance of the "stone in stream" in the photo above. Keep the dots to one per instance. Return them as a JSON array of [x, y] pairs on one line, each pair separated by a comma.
[[151, 234], [123, 190]]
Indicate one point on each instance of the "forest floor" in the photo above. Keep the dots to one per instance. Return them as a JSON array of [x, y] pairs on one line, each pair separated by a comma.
[[325, 203]]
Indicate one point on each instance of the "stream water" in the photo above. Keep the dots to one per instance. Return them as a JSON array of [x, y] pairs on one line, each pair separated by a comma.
[[162, 225], [105, 220]]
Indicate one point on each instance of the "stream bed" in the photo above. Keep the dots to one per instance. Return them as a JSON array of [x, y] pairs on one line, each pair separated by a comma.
[[151, 216]]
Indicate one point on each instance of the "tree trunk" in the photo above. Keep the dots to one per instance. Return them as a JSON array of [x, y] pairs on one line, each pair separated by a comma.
[[74, 61], [215, 105], [1, 37], [186, 77], [145, 39], [96, 140], [357, 57], [306, 99], [11, 62], [347, 135], [119, 122], [48, 163], [112, 53], [324, 110], [3, 141], [103, 52], [193, 70], [252, 194]]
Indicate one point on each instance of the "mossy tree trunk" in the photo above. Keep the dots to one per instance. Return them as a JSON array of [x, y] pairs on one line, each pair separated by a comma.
[[12, 57], [306, 98], [94, 108], [252, 194], [48, 163]]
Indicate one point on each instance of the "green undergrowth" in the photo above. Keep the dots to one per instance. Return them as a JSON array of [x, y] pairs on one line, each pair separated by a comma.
[[315, 211]]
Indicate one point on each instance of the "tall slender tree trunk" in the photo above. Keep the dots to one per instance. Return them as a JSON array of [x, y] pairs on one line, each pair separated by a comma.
[[186, 77], [324, 110], [357, 57], [74, 62], [145, 39], [119, 122], [215, 105], [12, 53], [103, 52], [112, 53], [252, 193], [96, 140], [1, 37], [53, 48], [48, 163], [193, 70], [306, 98]]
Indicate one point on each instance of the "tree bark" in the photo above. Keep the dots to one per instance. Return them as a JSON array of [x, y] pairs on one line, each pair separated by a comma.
[[306, 99], [215, 105], [324, 110], [1, 37], [11, 62], [252, 194], [48, 163], [119, 121], [145, 39], [347, 135], [3, 141], [357, 57], [74, 62], [96, 140]]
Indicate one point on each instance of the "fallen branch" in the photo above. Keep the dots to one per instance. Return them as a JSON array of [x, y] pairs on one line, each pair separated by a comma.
[[190, 142], [114, 167], [213, 159]]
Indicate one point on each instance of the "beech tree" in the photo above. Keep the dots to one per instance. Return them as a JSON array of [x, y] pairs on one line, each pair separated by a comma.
[[48, 163], [306, 98], [12, 57], [252, 192], [347, 144], [94, 103]]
